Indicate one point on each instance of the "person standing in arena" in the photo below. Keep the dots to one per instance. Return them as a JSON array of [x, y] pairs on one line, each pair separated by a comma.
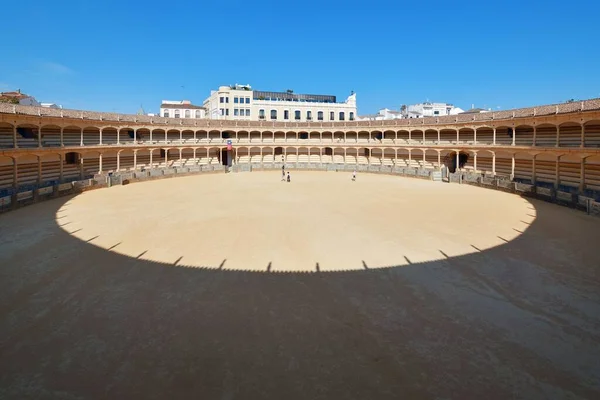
[[283, 172], [353, 175], [288, 176]]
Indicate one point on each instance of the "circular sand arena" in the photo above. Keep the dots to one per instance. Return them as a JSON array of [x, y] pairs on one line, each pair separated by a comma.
[[495, 296], [319, 221]]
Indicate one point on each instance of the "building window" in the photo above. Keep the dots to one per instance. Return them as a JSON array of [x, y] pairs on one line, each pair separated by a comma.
[[320, 115], [296, 115], [286, 114], [351, 116], [436, 113], [247, 112], [221, 111], [235, 100], [221, 99], [198, 115], [187, 113], [236, 112], [309, 115], [166, 114], [331, 116], [261, 114], [341, 115], [273, 114], [226, 99], [247, 100], [177, 115], [227, 111]]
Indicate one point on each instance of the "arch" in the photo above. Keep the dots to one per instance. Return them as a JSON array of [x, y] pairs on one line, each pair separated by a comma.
[[416, 135], [504, 135], [50, 135], [389, 136], [6, 135], [447, 136], [267, 136], [314, 155], [485, 135], [466, 135], [327, 136], [351, 137], [431, 158], [255, 136], [314, 136], [592, 133], [109, 136], [524, 135], [91, 136], [339, 155], [546, 135], [402, 136], [570, 134], [431, 136], [339, 137], [279, 136], [173, 135], [591, 181]]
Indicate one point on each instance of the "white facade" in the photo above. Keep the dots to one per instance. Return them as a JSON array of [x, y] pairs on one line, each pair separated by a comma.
[[181, 109], [50, 105], [428, 109], [240, 102]]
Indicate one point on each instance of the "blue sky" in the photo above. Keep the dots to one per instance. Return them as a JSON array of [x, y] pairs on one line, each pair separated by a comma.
[[117, 55]]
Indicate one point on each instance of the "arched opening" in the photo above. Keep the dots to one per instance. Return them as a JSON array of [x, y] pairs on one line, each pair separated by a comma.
[[327, 155], [570, 135], [109, 136], [524, 135], [450, 160], [592, 134], [504, 135], [402, 136], [6, 136], [485, 135], [546, 135], [431, 136], [447, 136], [50, 135]]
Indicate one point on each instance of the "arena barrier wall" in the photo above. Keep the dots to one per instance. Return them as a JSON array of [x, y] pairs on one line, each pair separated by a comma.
[[31, 194]]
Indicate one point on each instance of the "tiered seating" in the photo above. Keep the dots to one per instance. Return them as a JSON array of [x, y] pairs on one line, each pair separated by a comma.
[[326, 159], [27, 173], [592, 134], [244, 159], [6, 175], [338, 159], [314, 159], [350, 159], [6, 141], [268, 158], [26, 142], [303, 158], [412, 163], [255, 159], [592, 174], [363, 160], [524, 136], [51, 140], [503, 136], [485, 135], [569, 170], [387, 160], [570, 136], [375, 160], [291, 158], [545, 136]]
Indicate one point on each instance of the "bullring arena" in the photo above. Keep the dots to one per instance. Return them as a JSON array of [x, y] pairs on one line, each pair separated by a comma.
[[461, 263]]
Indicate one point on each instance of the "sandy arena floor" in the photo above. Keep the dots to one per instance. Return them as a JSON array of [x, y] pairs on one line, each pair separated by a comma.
[[240, 286]]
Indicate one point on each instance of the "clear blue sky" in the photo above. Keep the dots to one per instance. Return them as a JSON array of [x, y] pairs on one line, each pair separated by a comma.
[[115, 55]]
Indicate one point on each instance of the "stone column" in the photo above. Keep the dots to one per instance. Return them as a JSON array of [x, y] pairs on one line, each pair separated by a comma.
[[39, 177], [514, 136], [180, 158], [557, 136], [15, 173], [15, 141], [512, 168], [62, 138], [195, 159], [475, 160], [118, 159], [180, 136], [195, 139], [534, 135], [100, 163], [135, 160], [582, 176], [119, 136], [81, 169], [458, 136], [166, 157], [439, 157], [494, 162], [40, 137], [557, 173], [60, 164], [494, 141], [81, 141], [582, 144], [475, 135], [150, 135], [409, 135], [438, 141], [100, 136], [166, 135], [457, 161], [533, 172]]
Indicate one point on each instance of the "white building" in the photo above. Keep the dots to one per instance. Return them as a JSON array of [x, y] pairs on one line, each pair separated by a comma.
[[240, 102], [23, 99], [181, 109], [429, 109], [50, 105]]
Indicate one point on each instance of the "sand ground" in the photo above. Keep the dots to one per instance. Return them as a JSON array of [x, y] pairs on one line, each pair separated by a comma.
[[241, 286]]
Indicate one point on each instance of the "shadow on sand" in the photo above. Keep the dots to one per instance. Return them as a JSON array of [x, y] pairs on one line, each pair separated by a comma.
[[521, 320]]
